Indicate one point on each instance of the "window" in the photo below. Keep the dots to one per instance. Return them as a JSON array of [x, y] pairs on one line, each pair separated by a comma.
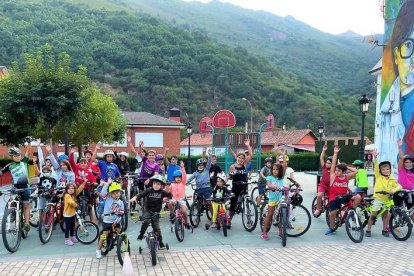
[[151, 140], [118, 144]]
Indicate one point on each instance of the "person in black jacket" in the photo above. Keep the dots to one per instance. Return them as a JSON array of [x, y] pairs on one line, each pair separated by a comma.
[[153, 203]]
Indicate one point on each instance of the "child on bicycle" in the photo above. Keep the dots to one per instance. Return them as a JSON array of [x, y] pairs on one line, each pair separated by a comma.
[[19, 170], [220, 192], [177, 189], [69, 211], [264, 173], [361, 178], [275, 182], [323, 186], [113, 209], [154, 197], [384, 182], [339, 193], [202, 178]]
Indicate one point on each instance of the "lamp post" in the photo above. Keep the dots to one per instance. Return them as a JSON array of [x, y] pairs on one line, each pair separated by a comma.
[[320, 131], [189, 130], [363, 106], [284, 127], [251, 114]]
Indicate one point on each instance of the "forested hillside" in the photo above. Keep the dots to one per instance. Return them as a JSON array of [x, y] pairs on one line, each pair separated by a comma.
[[146, 64]]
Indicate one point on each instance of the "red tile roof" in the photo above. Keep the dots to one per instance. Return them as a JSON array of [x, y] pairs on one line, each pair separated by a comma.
[[198, 139], [293, 136]]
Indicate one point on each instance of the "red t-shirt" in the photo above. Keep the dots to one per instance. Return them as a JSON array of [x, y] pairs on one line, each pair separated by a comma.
[[338, 187], [325, 180]]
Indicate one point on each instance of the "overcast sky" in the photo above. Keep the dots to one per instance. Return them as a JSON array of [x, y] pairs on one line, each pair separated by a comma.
[[333, 16]]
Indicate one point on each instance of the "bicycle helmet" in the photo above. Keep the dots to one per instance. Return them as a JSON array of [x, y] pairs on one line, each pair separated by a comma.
[[281, 158], [223, 177], [159, 157], [200, 161], [114, 187], [358, 163], [268, 159], [109, 152], [124, 154], [177, 173], [330, 158], [408, 157], [13, 151], [158, 178], [384, 163], [63, 157], [296, 200]]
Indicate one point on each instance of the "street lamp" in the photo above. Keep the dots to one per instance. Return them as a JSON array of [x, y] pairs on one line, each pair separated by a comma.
[[284, 127], [189, 130], [251, 114], [320, 131], [363, 106]]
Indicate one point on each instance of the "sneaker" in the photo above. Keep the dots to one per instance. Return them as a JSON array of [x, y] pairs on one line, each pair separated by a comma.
[[98, 254], [385, 233], [161, 246], [172, 217], [265, 236], [229, 225], [367, 233], [187, 226], [330, 231], [317, 213], [69, 242], [74, 239], [26, 227], [213, 225], [140, 237]]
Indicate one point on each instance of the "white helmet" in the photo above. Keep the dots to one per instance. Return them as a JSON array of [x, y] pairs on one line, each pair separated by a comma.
[[123, 154], [109, 152], [223, 177]]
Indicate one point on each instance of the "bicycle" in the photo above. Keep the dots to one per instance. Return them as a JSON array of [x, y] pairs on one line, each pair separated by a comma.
[[151, 239], [116, 237], [248, 208], [223, 217], [51, 215], [324, 205], [197, 208], [34, 212], [12, 230], [349, 216], [178, 223], [399, 219]]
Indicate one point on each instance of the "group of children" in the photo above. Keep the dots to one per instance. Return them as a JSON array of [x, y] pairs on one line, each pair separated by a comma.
[[334, 185]]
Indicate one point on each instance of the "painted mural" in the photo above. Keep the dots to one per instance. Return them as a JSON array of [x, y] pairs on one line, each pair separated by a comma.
[[396, 101]]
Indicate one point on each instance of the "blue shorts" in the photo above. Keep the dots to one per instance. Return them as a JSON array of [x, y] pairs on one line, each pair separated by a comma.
[[25, 196], [261, 188], [204, 192]]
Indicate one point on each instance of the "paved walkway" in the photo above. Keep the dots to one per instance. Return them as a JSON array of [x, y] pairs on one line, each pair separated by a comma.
[[340, 258]]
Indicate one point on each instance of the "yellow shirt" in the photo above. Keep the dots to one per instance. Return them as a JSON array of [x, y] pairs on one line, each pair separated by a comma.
[[382, 183], [69, 210]]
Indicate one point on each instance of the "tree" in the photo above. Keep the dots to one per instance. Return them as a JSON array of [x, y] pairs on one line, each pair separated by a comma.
[[44, 98]]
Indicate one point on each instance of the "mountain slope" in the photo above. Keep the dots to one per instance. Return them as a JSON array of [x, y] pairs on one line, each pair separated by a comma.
[[339, 63], [148, 65]]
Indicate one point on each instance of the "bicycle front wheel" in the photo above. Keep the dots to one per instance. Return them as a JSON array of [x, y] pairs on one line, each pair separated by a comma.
[[400, 225], [153, 252], [363, 215], [46, 225], [122, 247], [263, 215], [354, 227], [299, 221], [284, 225], [10, 230], [87, 232], [255, 193], [314, 206], [107, 243], [179, 229], [194, 214], [249, 215]]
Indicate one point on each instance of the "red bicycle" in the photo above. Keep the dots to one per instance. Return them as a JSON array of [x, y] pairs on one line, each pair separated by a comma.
[[179, 222], [52, 214]]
